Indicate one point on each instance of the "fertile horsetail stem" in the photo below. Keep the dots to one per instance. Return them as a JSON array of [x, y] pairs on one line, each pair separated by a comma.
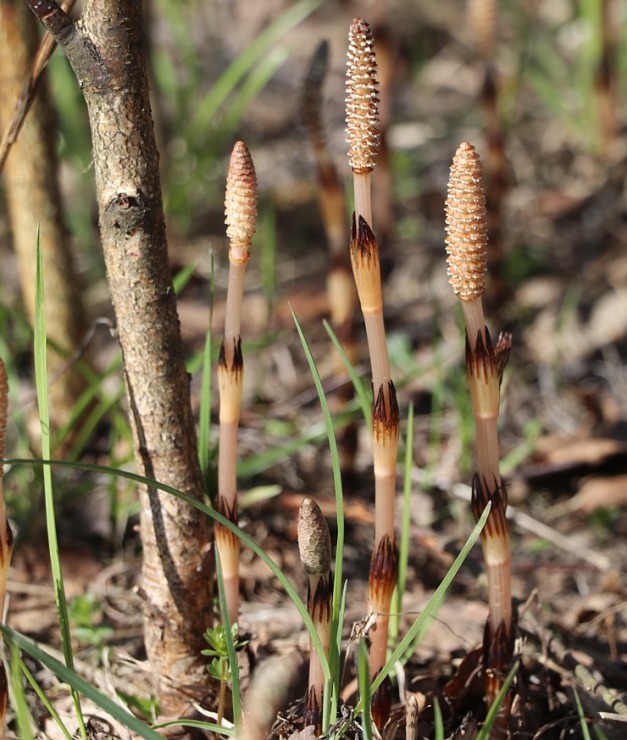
[[466, 245], [467, 237], [363, 140], [240, 205], [362, 113]]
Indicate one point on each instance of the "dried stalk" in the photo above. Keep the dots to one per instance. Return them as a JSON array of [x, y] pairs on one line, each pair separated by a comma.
[[240, 206], [466, 244], [314, 543]]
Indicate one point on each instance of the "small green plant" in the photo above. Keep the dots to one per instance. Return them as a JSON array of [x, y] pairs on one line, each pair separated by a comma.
[[84, 612], [220, 666]]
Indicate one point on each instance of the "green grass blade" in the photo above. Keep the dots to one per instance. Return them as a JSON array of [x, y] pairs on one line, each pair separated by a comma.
[[363, 675], [230, 645], [256, 464], [403, 552], [183, 276], [486, 728], [256, 495], [246, 61], [81, 686], [365, 402], [45, 701], [330, 699], [199, 724], [23, 717], [213, 514], [418, 629], [51, 524], [585, 731], [334, 658], [438, 722], [250, 89]]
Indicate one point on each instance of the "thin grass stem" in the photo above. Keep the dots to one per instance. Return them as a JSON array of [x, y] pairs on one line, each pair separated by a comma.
[[51, 525]]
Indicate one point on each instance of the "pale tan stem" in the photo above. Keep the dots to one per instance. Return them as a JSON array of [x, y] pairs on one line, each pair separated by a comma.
[[228, 548], [230, 378], [231, 591], [487, 446], [233, 312], [474, 320], [227, 469], [385, 497], [377, 348], [363, 198], [498, 569], [379, 643]]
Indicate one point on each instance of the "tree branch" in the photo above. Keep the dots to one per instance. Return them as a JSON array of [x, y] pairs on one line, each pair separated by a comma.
[[86, 61]]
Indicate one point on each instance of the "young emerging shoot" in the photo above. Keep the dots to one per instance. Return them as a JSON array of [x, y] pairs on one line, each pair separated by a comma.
[[363, 139], [240, 205], [466, 245], [362, 113], [6, 539], [314, 543]]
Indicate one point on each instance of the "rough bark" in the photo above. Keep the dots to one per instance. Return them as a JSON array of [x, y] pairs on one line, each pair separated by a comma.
[[33, 198], [105, 49]]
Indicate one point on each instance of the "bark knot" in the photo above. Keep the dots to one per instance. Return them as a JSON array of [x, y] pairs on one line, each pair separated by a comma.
[[127, 213]]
